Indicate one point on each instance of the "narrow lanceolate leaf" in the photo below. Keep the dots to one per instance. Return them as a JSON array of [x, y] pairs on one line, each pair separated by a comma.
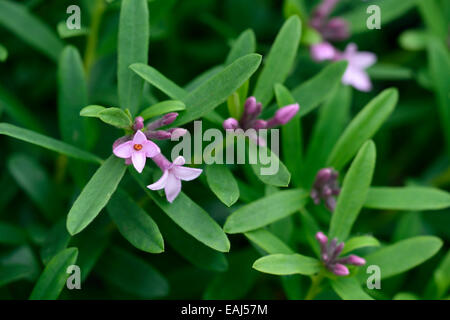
[[440, 281], [402, 256], [56, 240], [134, 34], [3, 53], [285, 264], [268, 167], [359, 242], [332, 118], [243, 45], [313, 92], [115, 117], [132, 274], [162, 108], [53, 278], [354, 192], [91, 111], [363, 127], [72, 97], [11, 235], [349, 289], [222, 183], [407, 198], [389, 9], [194, 220], [268, 241], [291, 136], [155, 78], [17, 19], [439, 65], [216, 89], [265, 211], [189, 248], [134, 223], [47, 142], [95, 194], [279, 61]]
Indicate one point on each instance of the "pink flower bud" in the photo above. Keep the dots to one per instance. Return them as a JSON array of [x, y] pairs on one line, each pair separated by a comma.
[[259, 124], [230, 123], [177, 133], [250, 106], [138, 123], [169, 118], [321, 237], [355, 260], [340, 270]]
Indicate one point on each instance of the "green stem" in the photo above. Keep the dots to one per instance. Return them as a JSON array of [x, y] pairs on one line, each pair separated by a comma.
[[91, 45], [315, 286]]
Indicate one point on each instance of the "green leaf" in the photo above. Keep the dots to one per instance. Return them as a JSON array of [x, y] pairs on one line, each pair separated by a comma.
[[363, 127], [237, 281], [132, 275], [265, 211], [3, 53], [216, 90], [47, 142], [243, 45], [279, 61], [332, 118], [413, 40], [349, 289], [390, 10], [359, 242], [354, 192], [53, 278], [285, 264], [95, 194], [132, 47], [433, 17], [440, 281], [197, 81], [65, 32], [268, 241], [291, 135], [91, 111], [134, 223], [265, 172], [194, 219], [405, 296], [189, 248], [222, 183], [155, 78], [19, 264], [72, 96], [163, 108], [17, 19], [439, 68], [313, 92], [11, 235], [403, 256], [116, 117], [57, 240], [407, 198]]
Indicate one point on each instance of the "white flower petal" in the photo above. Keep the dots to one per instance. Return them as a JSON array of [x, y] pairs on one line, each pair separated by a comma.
[[138, 159], [185, 173], [173, 187], [161, 183], [124, 150]]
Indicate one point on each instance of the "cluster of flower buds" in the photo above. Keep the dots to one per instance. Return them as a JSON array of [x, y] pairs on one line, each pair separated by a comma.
[[334, 29], [326, 188], [136, 148], [250, 120], [329, 255]]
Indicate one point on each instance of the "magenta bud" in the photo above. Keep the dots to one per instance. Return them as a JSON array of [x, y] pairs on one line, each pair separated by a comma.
[[177, 133], [355, 260], [250, 106], [337, 29], [285, 114], [259, 124], [230, 123], [323, 176], [158, 135], [322, 51], [340, 270], [321, 237], [138, 123], [121, 140], [169, 118], [330, 203]]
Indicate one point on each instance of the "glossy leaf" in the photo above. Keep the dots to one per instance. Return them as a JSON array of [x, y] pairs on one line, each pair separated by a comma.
[[115, 117], [222, 183], [359, 242], [354, 192], [163, 108], [279, 61], [95, 195], [285, 264], [132, 48], [407, 198], [268, 241], [53, 278], [47, 142], [362, 127], [265, 211], [349, 289], [134, 223], [243, 45]]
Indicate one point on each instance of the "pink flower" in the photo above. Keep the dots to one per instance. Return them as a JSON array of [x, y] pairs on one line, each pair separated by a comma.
[[137, 150], [173, 173], [322, 51], [356, 75]]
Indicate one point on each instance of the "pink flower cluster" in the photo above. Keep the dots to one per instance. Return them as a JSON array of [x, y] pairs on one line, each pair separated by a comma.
[[135, 149]]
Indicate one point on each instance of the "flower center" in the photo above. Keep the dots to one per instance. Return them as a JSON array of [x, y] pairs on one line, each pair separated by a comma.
[[137, 147]]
